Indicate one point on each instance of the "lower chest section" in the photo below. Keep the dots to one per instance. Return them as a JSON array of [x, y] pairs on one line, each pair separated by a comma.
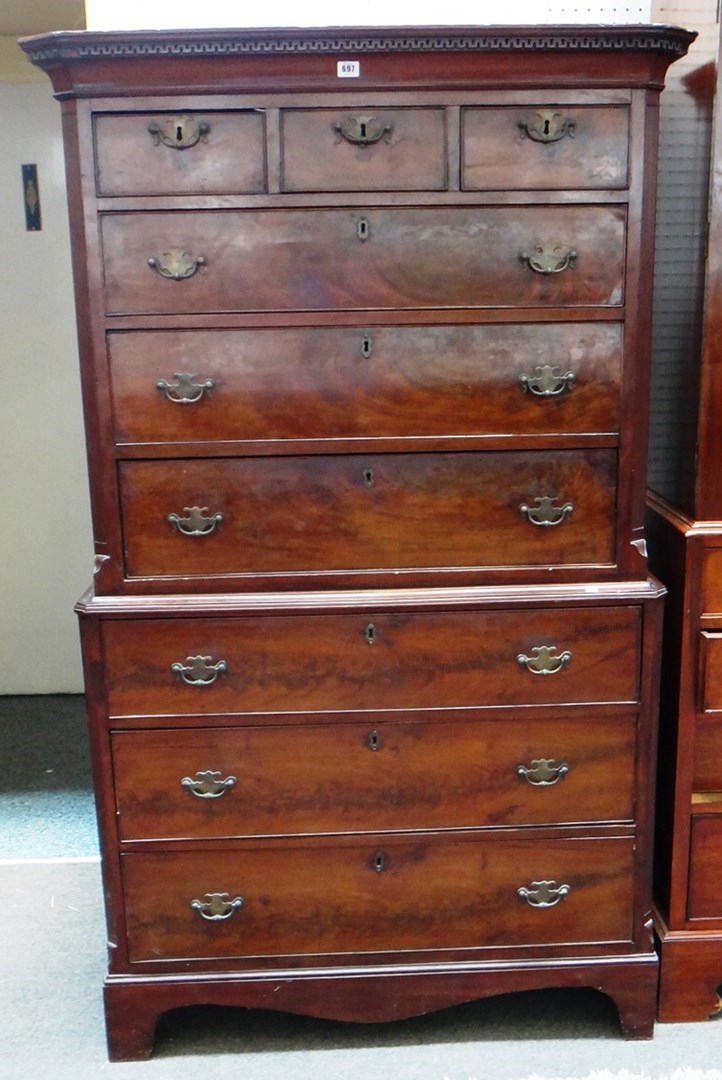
[[319, 783]]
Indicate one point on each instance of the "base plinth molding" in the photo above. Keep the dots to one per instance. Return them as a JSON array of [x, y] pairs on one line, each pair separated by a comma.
[[134, 1005], [690, 974]]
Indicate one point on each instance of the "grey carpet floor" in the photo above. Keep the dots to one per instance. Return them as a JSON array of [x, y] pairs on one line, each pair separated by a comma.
[[52, 962], [46, 799]]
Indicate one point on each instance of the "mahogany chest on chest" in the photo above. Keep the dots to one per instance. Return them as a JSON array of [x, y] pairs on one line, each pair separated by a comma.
[[371, 650]]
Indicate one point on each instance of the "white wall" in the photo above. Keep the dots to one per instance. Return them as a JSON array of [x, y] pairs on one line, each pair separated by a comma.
[[144, 14], [46, 555]]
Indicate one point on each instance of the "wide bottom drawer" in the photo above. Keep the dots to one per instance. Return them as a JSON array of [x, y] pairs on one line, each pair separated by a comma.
[[372, 777], [383, 894]]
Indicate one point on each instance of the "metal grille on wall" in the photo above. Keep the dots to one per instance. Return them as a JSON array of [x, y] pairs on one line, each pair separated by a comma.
[[603, 13], [682, 197]]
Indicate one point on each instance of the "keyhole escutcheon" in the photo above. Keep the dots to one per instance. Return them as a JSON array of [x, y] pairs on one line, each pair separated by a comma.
[[363, 229], [379, 862], [370, 634], [373, 741], [367, 346]]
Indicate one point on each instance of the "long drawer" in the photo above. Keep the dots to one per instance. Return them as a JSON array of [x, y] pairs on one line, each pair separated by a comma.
[[356, 259], [370, 512], [334, 383], [374, 777], [376, 895], [302, 663]]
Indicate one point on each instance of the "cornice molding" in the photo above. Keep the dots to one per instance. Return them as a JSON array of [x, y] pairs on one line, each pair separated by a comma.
[[50, 50]]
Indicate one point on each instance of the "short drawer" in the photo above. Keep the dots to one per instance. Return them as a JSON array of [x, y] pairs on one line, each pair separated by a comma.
[[380, 895], [358, 662], [355, 259], [341, 383], [373, 777], [705, 868], [375, 149], [180, 153], [712, 582], [707, 754], [372, 512], [545, 146], [710, 671]]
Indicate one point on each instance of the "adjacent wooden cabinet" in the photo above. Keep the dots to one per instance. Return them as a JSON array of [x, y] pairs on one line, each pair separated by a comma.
[[685, 541], [372, 649]]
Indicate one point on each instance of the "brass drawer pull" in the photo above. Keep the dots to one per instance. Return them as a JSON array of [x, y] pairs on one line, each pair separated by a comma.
[[195, 523], [176, 264], [543, 894], [199, 671], [543, 660], [542, 772], [547, 126], [362, 130], [208, 785], [547, 383], [217, 906], [185, 391], [545, 513], [548, 259], [179, 132]]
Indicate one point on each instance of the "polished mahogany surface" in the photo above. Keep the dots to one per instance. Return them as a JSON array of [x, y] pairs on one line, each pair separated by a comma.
[[335, 773], [353, 383], [290, 908], [387, 661]]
